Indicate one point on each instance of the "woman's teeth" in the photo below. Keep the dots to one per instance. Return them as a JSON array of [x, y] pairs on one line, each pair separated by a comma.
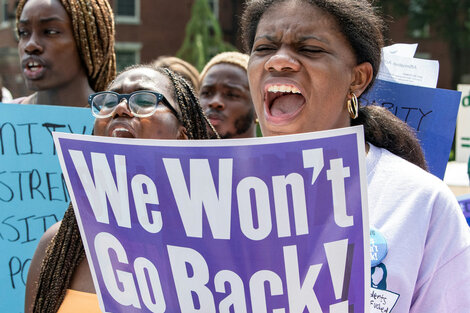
[[34, 66], [119, 130], [283, 88]]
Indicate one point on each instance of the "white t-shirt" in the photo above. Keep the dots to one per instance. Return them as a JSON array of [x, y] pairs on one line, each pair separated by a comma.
[[427, 267]]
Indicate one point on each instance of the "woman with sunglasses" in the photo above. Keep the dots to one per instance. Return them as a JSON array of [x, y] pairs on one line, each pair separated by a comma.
[[142, 102]]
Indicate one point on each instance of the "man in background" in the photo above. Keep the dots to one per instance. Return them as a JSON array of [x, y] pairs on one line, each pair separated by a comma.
[[225, 95]]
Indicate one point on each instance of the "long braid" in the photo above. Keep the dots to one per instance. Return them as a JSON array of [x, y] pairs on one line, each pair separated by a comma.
[[93, 30], [63, 255], [66, 251]]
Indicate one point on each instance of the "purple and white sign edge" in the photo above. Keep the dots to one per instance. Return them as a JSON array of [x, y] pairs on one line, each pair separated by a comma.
[[356, 130]]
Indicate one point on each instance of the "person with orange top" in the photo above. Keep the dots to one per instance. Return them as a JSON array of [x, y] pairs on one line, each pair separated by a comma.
[[59, 278]]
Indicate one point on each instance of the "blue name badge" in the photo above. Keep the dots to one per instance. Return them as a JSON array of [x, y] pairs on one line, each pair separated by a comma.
[[378, 247]]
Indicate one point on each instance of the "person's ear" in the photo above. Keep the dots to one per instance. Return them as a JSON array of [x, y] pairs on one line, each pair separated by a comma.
[[182, 133], [362, 77]]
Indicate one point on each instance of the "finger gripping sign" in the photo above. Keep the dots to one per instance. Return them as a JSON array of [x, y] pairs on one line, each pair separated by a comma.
[[260, 225], [33, 193]]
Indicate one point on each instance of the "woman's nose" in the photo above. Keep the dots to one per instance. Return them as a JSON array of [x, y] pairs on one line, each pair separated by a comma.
[[33, 45], [282, 61], [122, 109]]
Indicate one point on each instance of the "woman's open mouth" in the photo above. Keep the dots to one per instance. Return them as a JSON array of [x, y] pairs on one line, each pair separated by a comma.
[[283, 102], [122, 132], [33, 69]]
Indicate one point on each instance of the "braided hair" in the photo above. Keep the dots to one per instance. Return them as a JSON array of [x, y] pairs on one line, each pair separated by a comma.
[[66, 251], [93, 30], [189, 105]]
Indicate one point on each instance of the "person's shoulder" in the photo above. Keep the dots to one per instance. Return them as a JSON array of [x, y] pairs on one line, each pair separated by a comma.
[[49, 234], [44, 242], [35, 266]]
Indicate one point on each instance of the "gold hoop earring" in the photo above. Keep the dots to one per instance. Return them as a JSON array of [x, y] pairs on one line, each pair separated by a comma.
[[353, 106]]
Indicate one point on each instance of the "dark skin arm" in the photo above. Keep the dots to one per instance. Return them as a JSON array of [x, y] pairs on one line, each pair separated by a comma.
[[35, 267], [81, 279]]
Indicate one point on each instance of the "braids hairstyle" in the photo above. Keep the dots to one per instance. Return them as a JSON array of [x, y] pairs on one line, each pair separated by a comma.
[[363, 28], [93, 30], [66, 251], [192, 115]]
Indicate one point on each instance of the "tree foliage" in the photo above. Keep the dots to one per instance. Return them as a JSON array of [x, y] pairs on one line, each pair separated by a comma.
[[448, 20], [203, 38]]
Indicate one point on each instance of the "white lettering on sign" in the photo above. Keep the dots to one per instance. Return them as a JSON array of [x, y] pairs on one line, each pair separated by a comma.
[[192, 276], [262, 208], [186, 284], [127, 294], [121, 284], [104, 186], [141, 199], [237, 296], [202, 194], [337, 173], [280, 184]]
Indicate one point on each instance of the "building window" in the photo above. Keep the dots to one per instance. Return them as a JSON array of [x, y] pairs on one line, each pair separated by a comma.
[[127, 11], [127, 53], [4, 14]]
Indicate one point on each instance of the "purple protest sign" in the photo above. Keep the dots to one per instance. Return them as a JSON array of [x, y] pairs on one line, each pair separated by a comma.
[[274, 224], [464, 201]]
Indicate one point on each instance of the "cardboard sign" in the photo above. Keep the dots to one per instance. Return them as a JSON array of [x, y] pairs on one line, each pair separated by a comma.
[[275, 224], [462, 145], [33, 194], [431, 112]]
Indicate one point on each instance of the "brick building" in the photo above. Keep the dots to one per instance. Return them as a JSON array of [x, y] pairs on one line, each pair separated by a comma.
[[146, 29]]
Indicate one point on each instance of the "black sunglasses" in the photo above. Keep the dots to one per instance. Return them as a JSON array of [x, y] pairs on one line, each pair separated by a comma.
[[142, 103]]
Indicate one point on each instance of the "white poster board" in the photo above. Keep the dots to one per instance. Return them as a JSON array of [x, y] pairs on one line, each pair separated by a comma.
[[462, 146]]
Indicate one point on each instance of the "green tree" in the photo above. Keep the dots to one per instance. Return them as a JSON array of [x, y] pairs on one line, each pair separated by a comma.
[[203, 37], [448, 20]]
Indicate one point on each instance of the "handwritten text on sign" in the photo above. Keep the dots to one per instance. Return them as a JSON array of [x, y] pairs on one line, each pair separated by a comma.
[[33, 194], [256, 225], [431, 112]]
